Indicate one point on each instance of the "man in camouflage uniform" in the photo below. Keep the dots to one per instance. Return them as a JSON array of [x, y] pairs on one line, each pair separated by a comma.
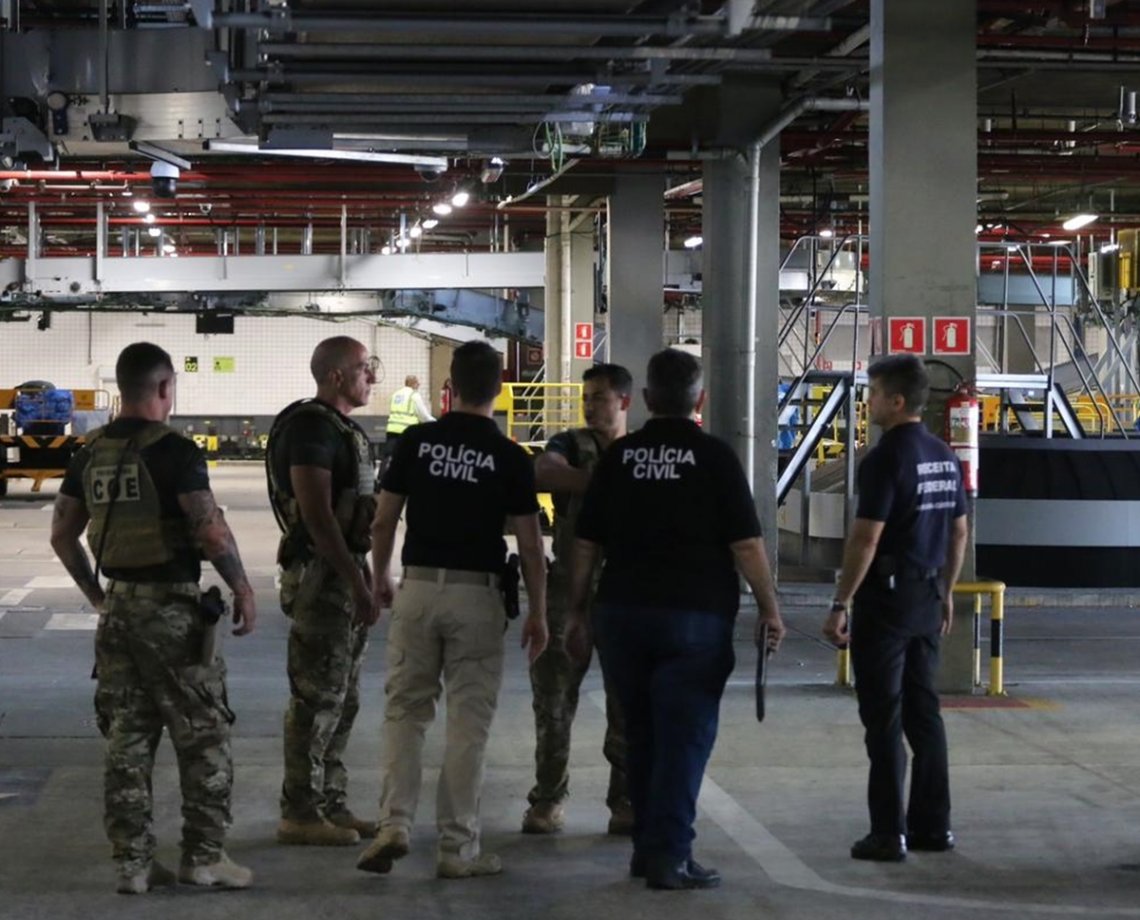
[[321, 485], [564, 468], [145, 491]]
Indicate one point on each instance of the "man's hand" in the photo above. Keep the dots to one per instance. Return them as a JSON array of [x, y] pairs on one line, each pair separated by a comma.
[[245, 613], [947, 615], [835, 628], [383, 590], [577, 640], [776, 630], [535, 635], [365, 608]]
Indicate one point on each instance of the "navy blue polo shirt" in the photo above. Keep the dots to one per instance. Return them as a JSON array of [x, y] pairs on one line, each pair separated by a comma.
[[665, 504], [912, 482]]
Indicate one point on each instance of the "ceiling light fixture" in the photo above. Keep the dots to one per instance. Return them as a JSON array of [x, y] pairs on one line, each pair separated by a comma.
[[430, 224], [154, 231], [441, 208], [141, 206], [1109, 247], [416, 232], [385, 250], [460, 198], [978, 229], [826, 233], [694, 242], [149, 218], [1079, 220], [403, 242], [250, 146]]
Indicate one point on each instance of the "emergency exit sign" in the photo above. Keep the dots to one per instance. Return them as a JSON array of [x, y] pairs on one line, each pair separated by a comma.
[[906, 335]]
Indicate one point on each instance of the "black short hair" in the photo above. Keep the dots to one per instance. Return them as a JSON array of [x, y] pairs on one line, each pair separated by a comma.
[[139, 369], [905, 376], [673, 383], [617, 378], [476, 373]]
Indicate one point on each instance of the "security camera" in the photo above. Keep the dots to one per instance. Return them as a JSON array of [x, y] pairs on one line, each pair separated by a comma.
[[428, 172], [164, 179]]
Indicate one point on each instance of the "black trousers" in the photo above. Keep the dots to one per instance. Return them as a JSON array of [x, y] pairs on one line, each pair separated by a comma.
[[894, 651]]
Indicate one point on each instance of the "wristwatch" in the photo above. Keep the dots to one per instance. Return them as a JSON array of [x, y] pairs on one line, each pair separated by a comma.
[[837, 606]]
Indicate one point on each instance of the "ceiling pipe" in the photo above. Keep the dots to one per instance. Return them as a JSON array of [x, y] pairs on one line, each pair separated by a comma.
[[546, 24], [530, 53]]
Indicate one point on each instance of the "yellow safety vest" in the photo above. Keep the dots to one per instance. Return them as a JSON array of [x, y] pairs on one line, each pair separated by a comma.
[[401, 414]]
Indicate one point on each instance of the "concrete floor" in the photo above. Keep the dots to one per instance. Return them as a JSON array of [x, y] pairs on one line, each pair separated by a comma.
[[1046, 800]]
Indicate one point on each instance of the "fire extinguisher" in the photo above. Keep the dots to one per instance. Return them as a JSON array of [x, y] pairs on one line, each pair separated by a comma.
[[445, 397], [962, 423]]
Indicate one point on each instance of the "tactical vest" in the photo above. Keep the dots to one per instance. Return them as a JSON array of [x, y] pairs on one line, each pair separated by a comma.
[[138, 535], [401, 413], [353, 506], [567, 505]]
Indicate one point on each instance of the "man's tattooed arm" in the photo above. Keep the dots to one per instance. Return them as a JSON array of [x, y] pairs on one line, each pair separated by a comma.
[[209, 527], [68, 521]]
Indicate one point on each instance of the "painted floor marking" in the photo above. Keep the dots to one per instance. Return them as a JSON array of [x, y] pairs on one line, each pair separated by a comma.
[[51, 581], [74, 621], [13, 598], [785, 868]]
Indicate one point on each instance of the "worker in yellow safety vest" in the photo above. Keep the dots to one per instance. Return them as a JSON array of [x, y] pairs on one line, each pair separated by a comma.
[[407, 408]]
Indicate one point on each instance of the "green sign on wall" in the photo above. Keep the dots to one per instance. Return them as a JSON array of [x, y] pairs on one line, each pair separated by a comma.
[[223, 365]]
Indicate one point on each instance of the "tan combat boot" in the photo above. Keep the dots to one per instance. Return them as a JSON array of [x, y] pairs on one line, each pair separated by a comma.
[[225, 873], [317, 833], [544, 818], [452, 865], [391, 843], [345, 818], [157, 876]]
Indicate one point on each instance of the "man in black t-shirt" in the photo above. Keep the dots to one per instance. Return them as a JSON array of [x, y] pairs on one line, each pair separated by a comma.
[[672, 512], [900, 563], [321, 484], [142, 492], [461, 480]]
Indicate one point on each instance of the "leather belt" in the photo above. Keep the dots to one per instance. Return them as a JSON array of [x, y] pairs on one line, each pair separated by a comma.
[[450, 576]]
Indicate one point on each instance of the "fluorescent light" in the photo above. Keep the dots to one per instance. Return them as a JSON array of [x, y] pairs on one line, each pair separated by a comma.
[[141, 206], [826, 233], [441, 208], [1079, 220], [251, 147], [149, 218], [1059, 242], [694, 242], [460, 198], [416, 232], [430, 224], [154, 231]]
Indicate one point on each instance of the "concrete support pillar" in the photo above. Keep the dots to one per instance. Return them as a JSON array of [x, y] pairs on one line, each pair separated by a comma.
[[730, 371], [923, 171], [636, 269], [569, 293]]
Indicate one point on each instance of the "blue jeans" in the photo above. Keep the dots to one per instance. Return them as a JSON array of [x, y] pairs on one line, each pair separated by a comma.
[[668, 669]]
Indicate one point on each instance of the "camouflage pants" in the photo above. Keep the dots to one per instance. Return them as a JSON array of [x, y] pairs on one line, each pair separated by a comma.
[[147, 652], [326, 646], [555, 681]]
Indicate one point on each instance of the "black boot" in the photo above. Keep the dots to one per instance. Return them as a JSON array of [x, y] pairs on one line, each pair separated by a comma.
[[673, 874], [880, 848]]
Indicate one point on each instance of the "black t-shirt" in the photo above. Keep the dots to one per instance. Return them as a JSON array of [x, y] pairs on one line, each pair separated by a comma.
[[308, 438], [462, 478], [177, 466], [912, 482], [665, 503]]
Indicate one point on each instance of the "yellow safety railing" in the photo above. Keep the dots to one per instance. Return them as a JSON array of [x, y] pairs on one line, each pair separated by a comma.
[[537, 411], [996, 590]]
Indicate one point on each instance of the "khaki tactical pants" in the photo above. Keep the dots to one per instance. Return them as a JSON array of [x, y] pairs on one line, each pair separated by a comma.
[[442, 635], [148, 656]]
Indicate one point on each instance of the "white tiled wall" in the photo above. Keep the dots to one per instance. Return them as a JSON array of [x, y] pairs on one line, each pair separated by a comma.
[[270, 357]]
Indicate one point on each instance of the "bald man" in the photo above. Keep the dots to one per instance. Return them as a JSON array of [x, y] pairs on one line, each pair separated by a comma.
[[321, 485]]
